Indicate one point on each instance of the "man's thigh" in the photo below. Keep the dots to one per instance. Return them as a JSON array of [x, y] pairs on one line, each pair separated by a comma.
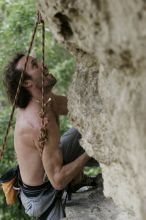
[[71, 148]]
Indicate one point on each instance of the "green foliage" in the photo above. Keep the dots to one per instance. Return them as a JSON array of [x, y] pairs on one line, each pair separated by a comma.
[[92, 171], [17, 19]]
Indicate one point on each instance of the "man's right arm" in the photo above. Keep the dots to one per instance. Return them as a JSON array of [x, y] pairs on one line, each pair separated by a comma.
[[58, 174]]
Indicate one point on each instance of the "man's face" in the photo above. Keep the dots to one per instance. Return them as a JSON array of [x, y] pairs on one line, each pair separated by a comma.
[[34, 70]]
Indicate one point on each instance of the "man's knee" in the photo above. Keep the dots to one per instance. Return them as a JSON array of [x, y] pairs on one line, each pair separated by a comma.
[[76, 133], [71, 136]]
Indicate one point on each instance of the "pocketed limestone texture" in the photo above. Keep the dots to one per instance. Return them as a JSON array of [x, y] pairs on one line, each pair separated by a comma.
[[107, 96]]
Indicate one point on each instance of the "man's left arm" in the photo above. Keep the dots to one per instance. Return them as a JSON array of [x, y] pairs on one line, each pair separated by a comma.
[[60, 104]]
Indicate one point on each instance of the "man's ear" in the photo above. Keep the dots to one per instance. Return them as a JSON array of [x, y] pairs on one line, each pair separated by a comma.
[[27, 83]]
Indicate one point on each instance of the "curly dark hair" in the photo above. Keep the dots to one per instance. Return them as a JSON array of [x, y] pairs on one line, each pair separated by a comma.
[[11, 80]]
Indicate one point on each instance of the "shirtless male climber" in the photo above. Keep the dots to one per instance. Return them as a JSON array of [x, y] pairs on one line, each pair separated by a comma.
[[62, 158]]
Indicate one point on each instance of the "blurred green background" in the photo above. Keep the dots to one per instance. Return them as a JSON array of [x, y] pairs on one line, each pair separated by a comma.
[[17, 19]]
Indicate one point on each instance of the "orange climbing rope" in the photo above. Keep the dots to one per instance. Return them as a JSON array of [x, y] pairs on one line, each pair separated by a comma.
[[43, 135]]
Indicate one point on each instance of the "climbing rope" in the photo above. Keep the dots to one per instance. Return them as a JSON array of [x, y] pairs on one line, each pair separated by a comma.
[[43, 130]]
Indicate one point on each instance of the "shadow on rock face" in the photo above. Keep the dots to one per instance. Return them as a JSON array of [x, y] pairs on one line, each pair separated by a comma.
[[65, 29]]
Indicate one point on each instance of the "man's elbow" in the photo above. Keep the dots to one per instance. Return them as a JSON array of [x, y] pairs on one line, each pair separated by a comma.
[[58, 183], [58, 186]]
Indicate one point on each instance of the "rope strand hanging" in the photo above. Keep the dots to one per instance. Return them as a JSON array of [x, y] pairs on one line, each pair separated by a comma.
[[44, 131], [39, 20]]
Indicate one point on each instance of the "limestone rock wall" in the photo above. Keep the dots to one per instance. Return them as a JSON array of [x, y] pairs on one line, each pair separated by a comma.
[[107, 96]]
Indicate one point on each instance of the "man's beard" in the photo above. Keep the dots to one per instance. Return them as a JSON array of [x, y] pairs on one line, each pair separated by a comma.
[[50, 84]]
